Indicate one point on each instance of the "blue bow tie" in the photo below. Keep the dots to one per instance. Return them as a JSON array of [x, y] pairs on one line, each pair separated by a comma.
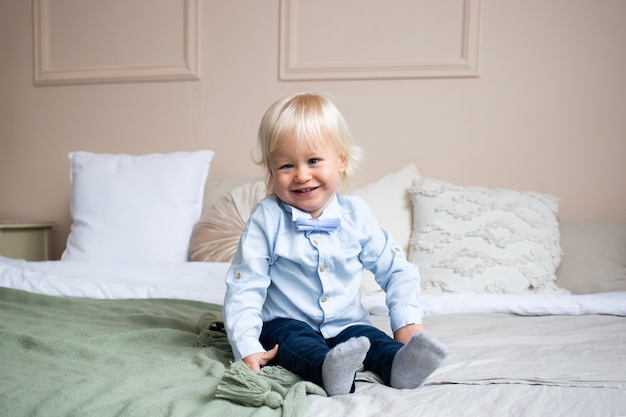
[[328, 225]]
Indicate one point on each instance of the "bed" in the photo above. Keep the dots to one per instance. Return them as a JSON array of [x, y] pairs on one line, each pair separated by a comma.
[[127, 323]]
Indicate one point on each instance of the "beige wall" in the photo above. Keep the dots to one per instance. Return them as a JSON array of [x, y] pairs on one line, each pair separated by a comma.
[[546, 112]]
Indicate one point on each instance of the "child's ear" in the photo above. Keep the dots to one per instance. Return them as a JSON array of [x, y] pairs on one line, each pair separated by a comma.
[[343, 163]]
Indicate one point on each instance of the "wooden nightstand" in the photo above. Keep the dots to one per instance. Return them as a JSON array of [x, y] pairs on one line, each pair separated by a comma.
[[26, 240]]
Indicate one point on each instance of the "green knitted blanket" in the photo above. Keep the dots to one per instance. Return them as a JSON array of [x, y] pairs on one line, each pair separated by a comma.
[[84, 357]]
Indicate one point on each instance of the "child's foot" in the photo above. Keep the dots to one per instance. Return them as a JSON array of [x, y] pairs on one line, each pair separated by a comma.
[[416, 360], [341, 364]]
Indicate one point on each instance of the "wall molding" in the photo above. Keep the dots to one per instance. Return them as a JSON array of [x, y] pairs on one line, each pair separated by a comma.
[[47, 74], [463, 65]]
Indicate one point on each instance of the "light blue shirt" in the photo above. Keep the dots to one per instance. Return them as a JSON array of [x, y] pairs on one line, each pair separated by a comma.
[[314, 276]]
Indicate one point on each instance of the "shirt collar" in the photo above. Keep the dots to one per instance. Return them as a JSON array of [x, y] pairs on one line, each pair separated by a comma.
[[333, 211]]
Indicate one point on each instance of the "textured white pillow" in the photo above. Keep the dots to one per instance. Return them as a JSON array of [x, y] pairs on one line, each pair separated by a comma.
[[479, 240], [135, 208], [390, 200]]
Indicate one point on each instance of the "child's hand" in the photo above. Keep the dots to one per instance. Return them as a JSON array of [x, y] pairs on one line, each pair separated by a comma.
[[257, 360], [404, 334]]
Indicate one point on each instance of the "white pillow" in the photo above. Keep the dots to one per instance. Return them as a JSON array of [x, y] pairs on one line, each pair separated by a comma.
[[479, 240], [135, 208], [390, 200]]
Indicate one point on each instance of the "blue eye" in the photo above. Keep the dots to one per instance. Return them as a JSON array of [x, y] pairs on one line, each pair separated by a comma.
[[313, 161]]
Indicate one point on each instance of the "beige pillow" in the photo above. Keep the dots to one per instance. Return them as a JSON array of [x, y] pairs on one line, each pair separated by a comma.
[[216, 236], [594, 256], [390, 200], [218, 188], [479, 240]]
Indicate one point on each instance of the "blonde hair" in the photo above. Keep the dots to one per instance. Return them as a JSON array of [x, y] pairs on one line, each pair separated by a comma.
[[307, 118]]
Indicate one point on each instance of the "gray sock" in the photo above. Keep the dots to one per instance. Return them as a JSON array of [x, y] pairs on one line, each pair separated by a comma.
[[417, 360], [341, 364]]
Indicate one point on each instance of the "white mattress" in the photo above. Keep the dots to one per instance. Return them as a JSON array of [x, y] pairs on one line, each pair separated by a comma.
[[513, 355]]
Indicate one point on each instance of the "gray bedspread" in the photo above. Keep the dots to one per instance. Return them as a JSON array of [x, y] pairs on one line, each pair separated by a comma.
[[508, 365]]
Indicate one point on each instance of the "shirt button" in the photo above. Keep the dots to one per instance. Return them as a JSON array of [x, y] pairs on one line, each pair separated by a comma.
[[322, 268], [324, 299], [315, 242], [238, 275], [397, 249]]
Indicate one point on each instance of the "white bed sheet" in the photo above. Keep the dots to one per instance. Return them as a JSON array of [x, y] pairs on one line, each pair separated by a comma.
[[198, 281], [204, 281], [613, 303]]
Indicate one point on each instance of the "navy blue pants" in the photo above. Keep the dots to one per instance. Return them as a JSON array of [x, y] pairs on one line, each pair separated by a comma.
[[302, 350]]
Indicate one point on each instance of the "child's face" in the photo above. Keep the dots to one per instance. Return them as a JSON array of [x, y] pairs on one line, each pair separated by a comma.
[[307, 177]]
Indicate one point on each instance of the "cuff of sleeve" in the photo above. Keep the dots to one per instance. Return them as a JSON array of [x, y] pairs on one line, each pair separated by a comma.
[[405, 316], [246, 347]]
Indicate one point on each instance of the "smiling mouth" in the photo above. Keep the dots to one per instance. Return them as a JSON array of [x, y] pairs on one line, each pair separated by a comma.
[[305, 190]]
